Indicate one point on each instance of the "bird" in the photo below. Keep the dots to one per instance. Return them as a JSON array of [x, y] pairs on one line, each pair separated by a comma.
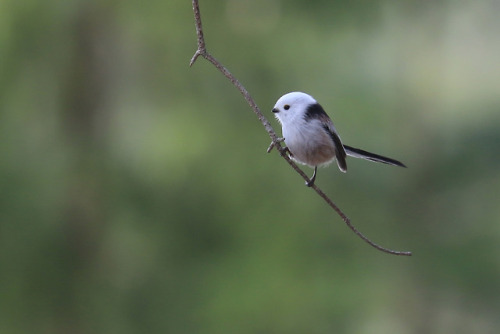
[[311, 138]]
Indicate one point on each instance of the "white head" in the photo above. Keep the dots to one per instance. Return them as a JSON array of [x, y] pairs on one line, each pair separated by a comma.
[[291, 106]]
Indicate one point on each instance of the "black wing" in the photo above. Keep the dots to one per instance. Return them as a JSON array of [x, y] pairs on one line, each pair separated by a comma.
[[316, 111]]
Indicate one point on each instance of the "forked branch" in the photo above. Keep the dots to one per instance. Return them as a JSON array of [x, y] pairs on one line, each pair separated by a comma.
[[275, 140]]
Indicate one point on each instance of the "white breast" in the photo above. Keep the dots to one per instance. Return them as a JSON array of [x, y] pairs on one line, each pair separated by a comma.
[[309, 142]]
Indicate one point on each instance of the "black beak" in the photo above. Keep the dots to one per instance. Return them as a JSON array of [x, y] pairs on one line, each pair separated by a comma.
[[275, 110]]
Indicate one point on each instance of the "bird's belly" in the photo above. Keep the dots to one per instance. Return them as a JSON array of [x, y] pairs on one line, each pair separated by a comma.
[[311, 152]]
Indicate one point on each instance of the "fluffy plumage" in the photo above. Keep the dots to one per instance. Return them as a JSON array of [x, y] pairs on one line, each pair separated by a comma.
[[311, 136]]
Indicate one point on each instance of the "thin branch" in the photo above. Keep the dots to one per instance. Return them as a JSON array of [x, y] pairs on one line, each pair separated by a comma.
[[275, 140]]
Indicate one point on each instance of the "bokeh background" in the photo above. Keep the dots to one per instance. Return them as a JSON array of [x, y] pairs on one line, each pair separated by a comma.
[[137, 197]]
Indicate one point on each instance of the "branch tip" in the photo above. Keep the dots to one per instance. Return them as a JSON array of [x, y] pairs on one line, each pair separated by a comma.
[[276, 143], [271, 146], [195, 56]]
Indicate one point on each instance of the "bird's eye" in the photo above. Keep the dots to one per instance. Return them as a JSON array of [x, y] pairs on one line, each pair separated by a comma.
[[286, 106]]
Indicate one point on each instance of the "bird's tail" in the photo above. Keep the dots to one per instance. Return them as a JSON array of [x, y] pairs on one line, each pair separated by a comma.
[[357, 153]]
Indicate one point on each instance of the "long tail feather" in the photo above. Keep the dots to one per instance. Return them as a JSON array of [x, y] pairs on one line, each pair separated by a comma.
[[357, 153]]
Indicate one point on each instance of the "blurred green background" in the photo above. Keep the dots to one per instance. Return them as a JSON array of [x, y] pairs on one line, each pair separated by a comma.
[[137, 197]]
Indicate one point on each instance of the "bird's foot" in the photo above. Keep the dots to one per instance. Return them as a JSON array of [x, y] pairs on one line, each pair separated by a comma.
[[310, 183]]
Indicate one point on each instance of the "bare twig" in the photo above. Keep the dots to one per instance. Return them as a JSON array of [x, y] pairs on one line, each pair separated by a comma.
[[275, 140]]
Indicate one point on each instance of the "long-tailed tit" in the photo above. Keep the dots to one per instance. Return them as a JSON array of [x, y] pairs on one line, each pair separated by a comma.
[[311, 138]]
